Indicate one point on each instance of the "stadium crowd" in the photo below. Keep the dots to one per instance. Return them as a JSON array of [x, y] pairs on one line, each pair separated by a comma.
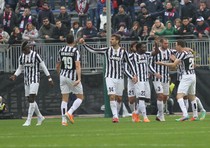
[[138, 19]]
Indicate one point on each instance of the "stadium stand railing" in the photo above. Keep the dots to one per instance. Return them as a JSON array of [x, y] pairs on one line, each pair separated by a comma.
[[93, 63]]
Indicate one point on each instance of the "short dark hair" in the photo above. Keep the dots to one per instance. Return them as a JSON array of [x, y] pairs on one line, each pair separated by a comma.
[[45, 18], [24, 45], [117, 37], [70, 39], [181, 43], [139, 45]]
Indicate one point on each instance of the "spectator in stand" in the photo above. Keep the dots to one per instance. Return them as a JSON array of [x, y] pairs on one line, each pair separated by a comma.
[[76, 30], [186, 28], [169, 30], [64, 17], [103, 32], [189, 10], [168, 14], [158, 26], [204, 11], [4, 36], [177, 24], [145, 33], [115, 6], [82, 8], [175, 4], [39, 4], [46, 30], [123, 31], [121, 17], [136, 30], [148, 21], [103, 18], [89, 31], [26, 18], [8, 19], [92, 11], [202, 28], [21, 5], [31, 33], [60, 31], [130, 9], [12, 4], [46, 12], [15, 37]]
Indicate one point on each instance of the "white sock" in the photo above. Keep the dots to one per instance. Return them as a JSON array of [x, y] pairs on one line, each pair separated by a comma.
[[125, 111], [31, 110], [63, 109], [113, 106], [142, 108], [37, 112], [160, 107], [75, 105], [194, 108], [132, 106], [186, 102], [118, 106], [182, 106], [200, 106]]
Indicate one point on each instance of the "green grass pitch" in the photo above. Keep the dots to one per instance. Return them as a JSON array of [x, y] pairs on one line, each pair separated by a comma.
[[102, 133]]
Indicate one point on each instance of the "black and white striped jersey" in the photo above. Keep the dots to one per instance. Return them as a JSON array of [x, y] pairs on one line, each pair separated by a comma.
[[115, 61], [187, 62], [179, 68], [31, 63], [67, 57], [162, 56], [128, 71], [141, 62]]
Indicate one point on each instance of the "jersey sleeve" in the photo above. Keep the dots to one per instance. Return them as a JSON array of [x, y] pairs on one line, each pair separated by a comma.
[[94, 50]]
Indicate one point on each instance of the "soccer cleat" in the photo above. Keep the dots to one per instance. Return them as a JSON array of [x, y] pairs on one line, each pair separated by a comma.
[[146, 120], [203, 115], [64, 123], [115, 120], [160, 118], [183, 118], [194, 119], [135, 117], [27, 123], [69, 117], [40, 120]]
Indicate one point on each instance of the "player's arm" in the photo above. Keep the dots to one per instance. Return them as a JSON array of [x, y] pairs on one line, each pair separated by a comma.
[[17, 72], [172, 65], [58, 67], [78, 71]]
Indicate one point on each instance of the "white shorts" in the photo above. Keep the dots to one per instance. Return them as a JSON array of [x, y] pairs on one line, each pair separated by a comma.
[[31, 89], [115, 86], [187, 84], [131, 88], [142, 90], [67, 86], [161, 87]]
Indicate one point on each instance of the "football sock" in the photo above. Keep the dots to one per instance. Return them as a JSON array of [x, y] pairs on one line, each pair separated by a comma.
[[113, 106], [63, 109], [142, 108], [160, 107], [200, 106], [183, 107], [186, 102], [37, 112], [118, 106], [75, 105], [31, 110], [131, 106], [125, 111], [194, 108]]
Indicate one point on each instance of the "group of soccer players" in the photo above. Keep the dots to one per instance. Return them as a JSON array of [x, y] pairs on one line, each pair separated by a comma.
[[138, 65]]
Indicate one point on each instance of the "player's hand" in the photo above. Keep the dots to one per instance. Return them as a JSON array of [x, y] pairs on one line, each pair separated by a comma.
[[157, 75], [77, 82], [135, 79], [13, 77], [81, 41], [51, 83]]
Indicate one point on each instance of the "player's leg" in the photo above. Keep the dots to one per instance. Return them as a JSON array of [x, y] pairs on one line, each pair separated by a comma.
[[131, 95]]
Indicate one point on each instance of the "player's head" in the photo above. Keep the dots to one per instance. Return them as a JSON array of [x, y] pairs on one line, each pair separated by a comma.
[[115, 39], [141, 47], [180, 44], [164, 43], [70, 39], [26, 47], [133, 46]]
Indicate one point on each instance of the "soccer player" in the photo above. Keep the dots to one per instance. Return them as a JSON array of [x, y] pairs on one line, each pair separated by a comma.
[[161, 76], [115, 57], [69, 68], [30, 61], [188, 82]]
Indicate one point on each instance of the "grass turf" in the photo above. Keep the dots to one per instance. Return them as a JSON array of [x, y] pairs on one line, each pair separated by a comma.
[[102, 133]]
